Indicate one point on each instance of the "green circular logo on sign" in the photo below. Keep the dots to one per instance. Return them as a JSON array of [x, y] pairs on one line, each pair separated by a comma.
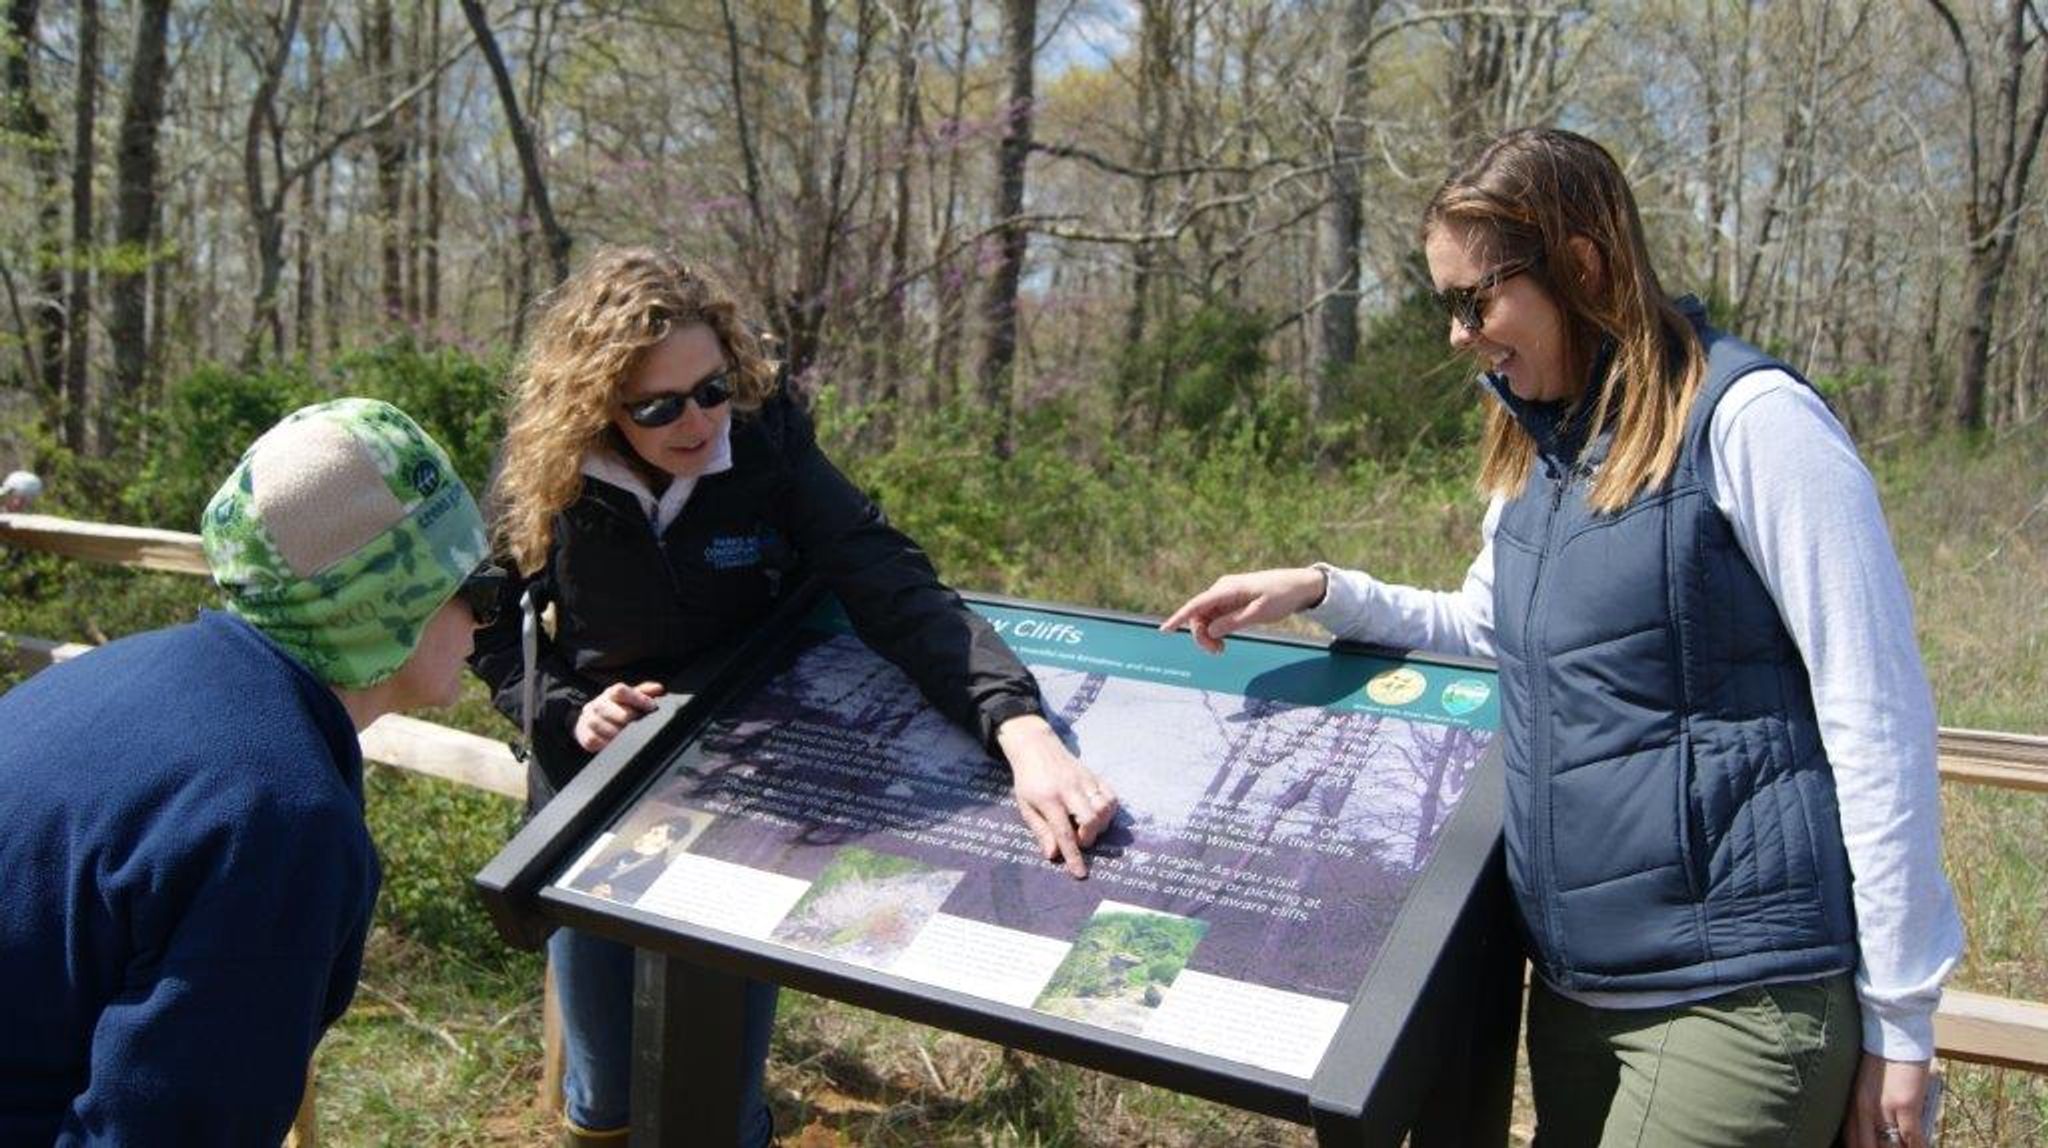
[[1465, 695]]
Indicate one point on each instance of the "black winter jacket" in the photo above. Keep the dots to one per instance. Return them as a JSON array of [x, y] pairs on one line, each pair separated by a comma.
[[632, 607]]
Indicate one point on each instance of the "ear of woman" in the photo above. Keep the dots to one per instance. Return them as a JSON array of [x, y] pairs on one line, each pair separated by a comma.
[[1589, 269]]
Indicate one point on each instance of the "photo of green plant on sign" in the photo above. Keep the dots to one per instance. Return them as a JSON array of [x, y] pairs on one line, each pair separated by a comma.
[[866, 906], [1121, 967]]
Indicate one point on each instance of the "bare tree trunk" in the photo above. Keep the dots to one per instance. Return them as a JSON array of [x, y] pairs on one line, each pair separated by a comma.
[[214, 83], [949, 289], [268, 194], [1997, 197], [528, 242], [2026, 384], [1257, 27], [311, 229], [1792, 271], [558, 240], [1156, 68], [1478, 43], [162, 269], [762, 268], [135, 169], [1738, 160], [838, 202], [999, 308], [412, 209], [910, 125], [1715, 167], [435, 145], [266, 212], [388, 145], [1341, 224], [78, 312], [1773, 210], [334, 312], [1922, 393], [803, 307], [24, 115]]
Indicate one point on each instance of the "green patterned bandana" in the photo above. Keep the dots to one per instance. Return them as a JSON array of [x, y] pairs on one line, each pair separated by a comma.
[[339, 534]]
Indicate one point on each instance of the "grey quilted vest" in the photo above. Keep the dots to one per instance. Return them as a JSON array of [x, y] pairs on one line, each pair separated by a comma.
[[1671, 813]]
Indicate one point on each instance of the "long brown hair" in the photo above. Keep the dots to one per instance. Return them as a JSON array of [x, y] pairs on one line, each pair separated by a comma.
[[1527, 196], [592, 332]]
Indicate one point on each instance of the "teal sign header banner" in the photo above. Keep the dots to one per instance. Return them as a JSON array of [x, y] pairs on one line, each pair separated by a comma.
[[1269, 671]]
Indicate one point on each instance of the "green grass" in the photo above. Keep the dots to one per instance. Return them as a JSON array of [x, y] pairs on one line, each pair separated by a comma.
[[1979, 570], [442, 1046]]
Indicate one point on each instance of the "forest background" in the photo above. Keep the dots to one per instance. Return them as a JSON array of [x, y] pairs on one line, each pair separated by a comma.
[[1100, 298]]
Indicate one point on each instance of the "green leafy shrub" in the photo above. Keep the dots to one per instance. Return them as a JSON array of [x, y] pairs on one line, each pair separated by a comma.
[[192, 440], [1407, 394], [433, 836], [451, 393], [1197, 366]]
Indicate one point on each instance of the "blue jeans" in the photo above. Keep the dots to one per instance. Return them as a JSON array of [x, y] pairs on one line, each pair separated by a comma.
[[594, 983]]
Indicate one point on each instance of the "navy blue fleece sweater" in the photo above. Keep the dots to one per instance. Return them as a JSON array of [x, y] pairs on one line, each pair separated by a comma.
[[185, 886]]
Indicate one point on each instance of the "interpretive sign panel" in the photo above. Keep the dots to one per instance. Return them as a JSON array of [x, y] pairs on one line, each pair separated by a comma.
[[1280, 805]]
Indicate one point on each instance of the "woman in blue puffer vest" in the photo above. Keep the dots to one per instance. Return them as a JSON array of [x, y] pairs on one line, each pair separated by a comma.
[[1723, 831]]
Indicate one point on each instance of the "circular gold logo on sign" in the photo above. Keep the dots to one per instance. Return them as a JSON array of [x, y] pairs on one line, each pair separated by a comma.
[[1396, 687]]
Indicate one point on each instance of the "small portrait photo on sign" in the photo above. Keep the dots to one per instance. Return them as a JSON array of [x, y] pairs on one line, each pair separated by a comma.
[[621, 866], [1123, 963], [866, 907]]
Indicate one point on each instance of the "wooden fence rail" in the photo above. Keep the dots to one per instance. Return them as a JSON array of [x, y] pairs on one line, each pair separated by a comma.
[[1970, 1026]]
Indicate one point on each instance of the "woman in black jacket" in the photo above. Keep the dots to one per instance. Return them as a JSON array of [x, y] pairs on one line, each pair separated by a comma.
[[665, 494]]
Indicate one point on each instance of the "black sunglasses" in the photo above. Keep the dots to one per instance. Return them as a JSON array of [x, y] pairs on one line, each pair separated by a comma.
[[1465, 303], [662, 410], [483, 590]]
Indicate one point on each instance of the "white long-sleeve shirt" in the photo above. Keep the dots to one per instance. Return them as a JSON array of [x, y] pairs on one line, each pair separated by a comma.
[[1805, 512]]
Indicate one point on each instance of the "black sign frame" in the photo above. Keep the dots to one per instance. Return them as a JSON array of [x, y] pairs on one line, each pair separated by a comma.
[[1427, 1046]]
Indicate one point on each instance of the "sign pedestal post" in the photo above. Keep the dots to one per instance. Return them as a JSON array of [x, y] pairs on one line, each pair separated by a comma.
[[1448, 1079], [1471, 1101], [688, 1029]]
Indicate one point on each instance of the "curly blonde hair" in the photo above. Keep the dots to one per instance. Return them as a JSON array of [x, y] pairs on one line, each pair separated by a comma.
[[592, 331]]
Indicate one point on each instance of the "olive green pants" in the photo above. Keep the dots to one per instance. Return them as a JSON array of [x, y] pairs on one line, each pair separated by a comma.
[[1766, 1066]]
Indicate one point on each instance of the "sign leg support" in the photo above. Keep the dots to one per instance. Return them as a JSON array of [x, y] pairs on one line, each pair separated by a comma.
[[1342, 1130], [1470, 1102], [688, 1025]]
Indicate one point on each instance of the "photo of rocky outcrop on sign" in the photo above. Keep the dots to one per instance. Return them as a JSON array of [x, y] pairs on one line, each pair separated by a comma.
[[866, 907], [1122, 966]]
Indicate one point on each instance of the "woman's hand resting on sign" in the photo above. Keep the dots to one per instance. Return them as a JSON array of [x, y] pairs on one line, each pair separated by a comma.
[[1235, 601], [1063, 804], [619, 706]]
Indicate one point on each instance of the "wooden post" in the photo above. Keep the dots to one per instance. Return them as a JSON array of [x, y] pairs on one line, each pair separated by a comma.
[[1992, 1030], [551, 1050], [139, 547], [304, 1132]]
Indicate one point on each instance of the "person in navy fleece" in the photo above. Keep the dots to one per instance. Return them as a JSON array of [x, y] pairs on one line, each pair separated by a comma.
[[187, 877]]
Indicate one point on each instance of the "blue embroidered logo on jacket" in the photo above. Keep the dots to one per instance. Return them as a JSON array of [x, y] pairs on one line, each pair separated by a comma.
[[730, 552]]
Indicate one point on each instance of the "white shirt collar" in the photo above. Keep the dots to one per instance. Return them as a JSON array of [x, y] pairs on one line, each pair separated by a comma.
[[602, 463]]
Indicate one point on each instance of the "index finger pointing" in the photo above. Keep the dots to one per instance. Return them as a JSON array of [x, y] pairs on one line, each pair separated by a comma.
[[1070, 845], [1048, 845], [1198, 607], [1178, 618]]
